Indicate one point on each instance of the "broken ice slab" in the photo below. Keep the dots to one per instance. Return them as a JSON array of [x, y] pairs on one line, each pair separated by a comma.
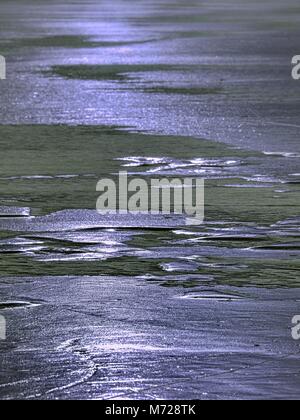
[[107, 237], [17, 305], [14, 211], [68, 220]]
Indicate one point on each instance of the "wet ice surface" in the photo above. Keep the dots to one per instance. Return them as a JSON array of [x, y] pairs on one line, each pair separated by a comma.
[[112, 341], [143, 307], [130, 74], [13, 212], [70, 220]]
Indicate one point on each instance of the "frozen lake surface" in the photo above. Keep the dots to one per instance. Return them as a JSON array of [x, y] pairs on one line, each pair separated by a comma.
[[143, 307]]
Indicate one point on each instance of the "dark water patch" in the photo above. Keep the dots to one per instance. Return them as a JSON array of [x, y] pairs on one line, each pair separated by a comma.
[[282, 246], [110, 265], [121, 72], [74, 41], [22, 250], [191, 34], [61, 147], [262, 268], [59, 41], [167, 90], [185, 284], [176, 19]]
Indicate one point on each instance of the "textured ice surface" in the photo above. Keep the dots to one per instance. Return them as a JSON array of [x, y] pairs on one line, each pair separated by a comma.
[[13, 212], [69, 220], [129, 338], [133, 307]]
